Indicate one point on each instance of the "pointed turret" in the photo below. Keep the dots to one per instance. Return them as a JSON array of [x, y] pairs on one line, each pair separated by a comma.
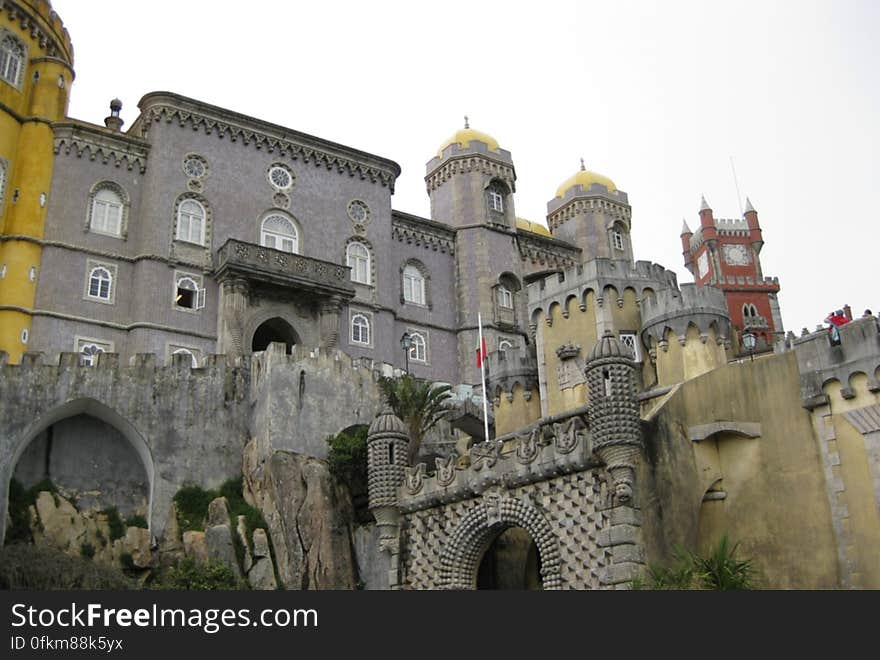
[[755, 236], [707, 221], [686, 235]]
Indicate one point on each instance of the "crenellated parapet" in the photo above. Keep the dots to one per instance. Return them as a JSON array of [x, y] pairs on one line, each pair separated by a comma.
[[599, 276], [676, 309], [555, 446], [820, 361], [512, 367], [46, 27]]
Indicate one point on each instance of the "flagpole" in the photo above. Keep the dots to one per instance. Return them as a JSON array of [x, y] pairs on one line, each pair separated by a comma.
[[483, 377]]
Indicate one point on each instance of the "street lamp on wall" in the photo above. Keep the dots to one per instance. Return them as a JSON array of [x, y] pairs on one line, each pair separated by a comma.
[[749, 340], [406, 344]]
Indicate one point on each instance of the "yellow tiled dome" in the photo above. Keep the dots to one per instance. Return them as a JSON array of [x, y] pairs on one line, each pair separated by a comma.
[[465, 136], [585, 178], [534, 227]]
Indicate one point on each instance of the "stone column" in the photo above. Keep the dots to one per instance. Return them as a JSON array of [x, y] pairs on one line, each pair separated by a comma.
[[329, 322], [232, 307]]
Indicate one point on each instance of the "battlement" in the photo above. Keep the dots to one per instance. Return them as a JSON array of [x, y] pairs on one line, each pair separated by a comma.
[[68, 361], [690, 305], [820, 362], [18, 10], [555, 446], [511, 367], [731, 224], [769, 283], [595, 190], [645, 277]]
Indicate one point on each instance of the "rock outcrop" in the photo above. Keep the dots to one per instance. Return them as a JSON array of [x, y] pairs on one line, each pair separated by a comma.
[[309, 516]]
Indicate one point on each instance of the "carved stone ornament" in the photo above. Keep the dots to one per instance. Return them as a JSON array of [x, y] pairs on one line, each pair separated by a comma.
[[484, 454], [569, 435], [568, 351], [527, 448], [446, 470], [492, 503], [414, 478]]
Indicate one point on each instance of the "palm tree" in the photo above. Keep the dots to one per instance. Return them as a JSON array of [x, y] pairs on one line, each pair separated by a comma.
[[420, 404]]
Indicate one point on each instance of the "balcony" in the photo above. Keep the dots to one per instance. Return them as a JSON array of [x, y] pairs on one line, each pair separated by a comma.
[[256, 263], [755, 323]]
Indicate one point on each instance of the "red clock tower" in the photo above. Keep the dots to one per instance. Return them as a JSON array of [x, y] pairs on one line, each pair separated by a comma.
[[726, 254]]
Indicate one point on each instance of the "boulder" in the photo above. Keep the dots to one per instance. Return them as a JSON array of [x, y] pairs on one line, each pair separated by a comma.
[[194, 546], [309, 518], [218, 540], [241, 530], [218, 513]]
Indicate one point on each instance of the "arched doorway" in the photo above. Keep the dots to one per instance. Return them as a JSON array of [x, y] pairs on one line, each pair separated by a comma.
[[92, 454], [510, 562], [485, 524], [274, 330]]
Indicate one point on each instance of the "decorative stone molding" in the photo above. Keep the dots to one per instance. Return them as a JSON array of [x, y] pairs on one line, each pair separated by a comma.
[[423, 233], [172, 108], [466, 164], [117, 149]]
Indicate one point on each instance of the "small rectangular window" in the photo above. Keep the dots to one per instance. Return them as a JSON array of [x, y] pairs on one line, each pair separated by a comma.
[[618, 240], [631, 341], [496, 201]]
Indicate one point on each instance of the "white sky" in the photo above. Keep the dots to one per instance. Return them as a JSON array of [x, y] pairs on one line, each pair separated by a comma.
[[656, 95]]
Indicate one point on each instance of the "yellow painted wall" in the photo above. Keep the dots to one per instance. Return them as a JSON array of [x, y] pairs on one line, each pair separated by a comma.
[[863, 524], [515, 413], [26, 143], [776, 508], [679, 363]]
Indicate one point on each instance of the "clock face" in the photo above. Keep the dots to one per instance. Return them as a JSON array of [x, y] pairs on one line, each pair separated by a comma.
[[703, 264], [736, 255]]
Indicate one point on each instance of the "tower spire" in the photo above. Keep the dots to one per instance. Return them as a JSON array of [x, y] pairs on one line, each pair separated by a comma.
[[704, 205], [582, 164], [466, 124]]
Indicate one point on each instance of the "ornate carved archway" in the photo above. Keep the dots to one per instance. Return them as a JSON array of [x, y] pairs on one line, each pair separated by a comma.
[[461, 558]]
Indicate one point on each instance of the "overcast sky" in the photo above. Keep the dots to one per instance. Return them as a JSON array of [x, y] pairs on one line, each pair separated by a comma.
[[656, 95]]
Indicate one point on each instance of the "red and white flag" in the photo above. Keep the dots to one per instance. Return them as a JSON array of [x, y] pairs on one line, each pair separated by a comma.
[[482, 353]]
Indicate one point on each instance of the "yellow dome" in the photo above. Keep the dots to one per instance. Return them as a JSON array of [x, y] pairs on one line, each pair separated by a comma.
[[533, 227], [465, 135], [585, 178]]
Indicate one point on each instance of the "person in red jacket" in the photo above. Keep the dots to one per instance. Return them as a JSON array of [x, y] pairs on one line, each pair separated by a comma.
[[835, 320]]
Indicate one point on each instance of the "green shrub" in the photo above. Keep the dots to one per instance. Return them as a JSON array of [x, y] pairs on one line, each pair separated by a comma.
[[24, 566], [87, 550], [136, 520], [192, 507], [20, 498], [190, 575], [348, 458], [719, 570], [127, 561], [114, 523]]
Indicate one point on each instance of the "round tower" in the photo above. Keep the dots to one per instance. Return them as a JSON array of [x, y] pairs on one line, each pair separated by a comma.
[[614, 412], [387, 460], [592, 213], [471, 183], [36, 71]]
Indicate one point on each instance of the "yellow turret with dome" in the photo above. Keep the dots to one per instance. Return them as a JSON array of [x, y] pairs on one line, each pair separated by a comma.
[[585, 178], [464, 136]]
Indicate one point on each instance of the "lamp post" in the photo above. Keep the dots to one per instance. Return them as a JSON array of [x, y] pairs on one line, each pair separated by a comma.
[[749, 340], [406, 344]]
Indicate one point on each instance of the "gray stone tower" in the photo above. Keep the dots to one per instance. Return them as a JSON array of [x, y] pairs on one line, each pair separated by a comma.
[[614, 412], [387, 459], [471, 183], [590, 212]]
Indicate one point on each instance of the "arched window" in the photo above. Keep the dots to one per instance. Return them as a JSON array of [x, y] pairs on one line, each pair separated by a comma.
[[504, 345], [106, 215], [495, 197], [749, 310], [358, 258], [505, 297], [100, 282], [278, 232], [189, 295], [360, 329], [617, 239], [191, 222], [419, 350], [413, 285], [89, 354], [11, 60], [186, 351]]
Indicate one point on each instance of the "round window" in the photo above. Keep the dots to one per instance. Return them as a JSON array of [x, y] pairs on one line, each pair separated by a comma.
[[195, 167], [358, 211], [280, 177]]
